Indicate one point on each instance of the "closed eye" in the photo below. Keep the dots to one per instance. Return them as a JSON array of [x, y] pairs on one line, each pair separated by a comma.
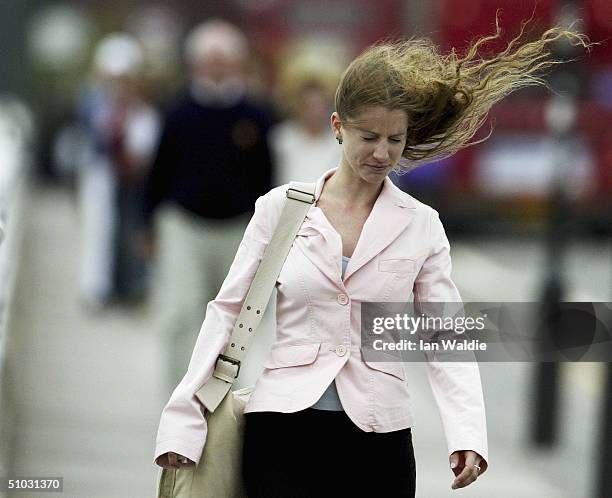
[[369, 139]]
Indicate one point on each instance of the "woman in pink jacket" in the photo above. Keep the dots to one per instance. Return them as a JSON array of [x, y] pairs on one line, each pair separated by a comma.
[[322, 420]]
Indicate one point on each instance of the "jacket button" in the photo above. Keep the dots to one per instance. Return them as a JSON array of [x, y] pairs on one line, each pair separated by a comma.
[[341, 350], [343, 299]]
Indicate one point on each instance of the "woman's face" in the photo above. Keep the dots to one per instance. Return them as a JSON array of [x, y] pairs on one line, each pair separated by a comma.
[[314, 107], [374, 144]]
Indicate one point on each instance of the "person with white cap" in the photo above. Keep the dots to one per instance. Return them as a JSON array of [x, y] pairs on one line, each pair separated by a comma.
[[122, 131], [212, 162]]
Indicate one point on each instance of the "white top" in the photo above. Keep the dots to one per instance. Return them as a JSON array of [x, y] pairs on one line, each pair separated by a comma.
[[300, 157]]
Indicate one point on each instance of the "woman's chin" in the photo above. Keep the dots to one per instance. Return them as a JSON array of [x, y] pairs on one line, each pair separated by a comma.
[[373, 174]]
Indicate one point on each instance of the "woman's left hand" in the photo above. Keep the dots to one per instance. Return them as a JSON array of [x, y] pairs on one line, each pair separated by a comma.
[[463, 466]]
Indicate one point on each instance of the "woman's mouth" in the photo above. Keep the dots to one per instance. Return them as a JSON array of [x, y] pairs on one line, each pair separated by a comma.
[[377, 167]]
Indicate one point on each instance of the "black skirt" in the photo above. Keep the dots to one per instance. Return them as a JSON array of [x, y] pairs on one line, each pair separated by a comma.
[[318, 453]]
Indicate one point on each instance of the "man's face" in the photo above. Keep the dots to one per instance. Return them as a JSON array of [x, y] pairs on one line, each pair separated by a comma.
[[219, 68]]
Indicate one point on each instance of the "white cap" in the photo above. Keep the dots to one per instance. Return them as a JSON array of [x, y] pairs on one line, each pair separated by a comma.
[[118, 54], [215, 37]]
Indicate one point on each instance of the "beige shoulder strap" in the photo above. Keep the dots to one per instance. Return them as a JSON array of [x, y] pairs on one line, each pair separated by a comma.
[[300, 196]]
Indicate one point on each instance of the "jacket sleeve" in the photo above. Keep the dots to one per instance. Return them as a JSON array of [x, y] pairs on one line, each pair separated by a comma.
[[456, 386], [182, 427]]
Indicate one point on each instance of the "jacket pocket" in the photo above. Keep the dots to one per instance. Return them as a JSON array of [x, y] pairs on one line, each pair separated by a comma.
[[398, 265], [394, 368], [292, 356]]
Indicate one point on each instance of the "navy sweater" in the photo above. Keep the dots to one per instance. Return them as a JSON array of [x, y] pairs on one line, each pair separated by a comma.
[[212, 161]]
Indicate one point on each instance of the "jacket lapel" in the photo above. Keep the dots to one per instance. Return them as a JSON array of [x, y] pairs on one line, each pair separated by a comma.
[[321, 244], [392, 213]]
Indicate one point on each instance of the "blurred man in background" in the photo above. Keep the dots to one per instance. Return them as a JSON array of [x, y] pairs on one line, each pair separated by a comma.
[[121, 130], [212, 163]]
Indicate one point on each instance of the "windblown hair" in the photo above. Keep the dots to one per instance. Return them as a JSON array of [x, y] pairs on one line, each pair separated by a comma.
[[446, 97]]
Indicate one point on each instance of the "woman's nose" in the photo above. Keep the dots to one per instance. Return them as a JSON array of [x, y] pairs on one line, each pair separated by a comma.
[[381, 152]]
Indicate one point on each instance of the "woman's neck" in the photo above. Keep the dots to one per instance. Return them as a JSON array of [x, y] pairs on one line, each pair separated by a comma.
[[347, 189]]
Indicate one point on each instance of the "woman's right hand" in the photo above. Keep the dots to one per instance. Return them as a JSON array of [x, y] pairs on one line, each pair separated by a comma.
[[173, 460]]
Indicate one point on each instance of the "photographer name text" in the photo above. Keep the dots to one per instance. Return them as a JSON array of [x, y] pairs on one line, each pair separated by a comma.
[[421, 345]]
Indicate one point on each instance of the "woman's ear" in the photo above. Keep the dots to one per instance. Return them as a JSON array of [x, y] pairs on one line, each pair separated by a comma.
[[336, 124]]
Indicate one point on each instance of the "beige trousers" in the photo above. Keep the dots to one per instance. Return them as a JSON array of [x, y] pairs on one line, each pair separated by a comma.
[[193, 257]]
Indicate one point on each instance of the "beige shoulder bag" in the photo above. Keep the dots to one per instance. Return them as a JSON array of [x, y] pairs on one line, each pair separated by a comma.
[[219, 473]]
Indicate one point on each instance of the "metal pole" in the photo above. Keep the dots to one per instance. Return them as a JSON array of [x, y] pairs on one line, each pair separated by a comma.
[[546, 387], [604, 471], [561, 118]]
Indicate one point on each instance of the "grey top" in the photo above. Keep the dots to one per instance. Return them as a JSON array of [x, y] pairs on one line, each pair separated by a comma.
[[330, 400]]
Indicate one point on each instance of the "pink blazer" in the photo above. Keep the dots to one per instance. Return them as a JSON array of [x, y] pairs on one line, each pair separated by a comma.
[[402, 250]]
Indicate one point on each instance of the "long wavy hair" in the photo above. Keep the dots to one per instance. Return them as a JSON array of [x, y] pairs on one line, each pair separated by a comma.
[[446, 97]]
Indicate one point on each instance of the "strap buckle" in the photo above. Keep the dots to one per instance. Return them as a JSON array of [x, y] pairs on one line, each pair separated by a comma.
[[231, 360], [299, 195]]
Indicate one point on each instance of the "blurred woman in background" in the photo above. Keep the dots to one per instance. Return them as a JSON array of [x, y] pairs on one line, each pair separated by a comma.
[[121, 129], [302, 147]]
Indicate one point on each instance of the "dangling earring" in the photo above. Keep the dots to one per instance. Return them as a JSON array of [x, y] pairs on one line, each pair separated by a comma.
[[339, 140]]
